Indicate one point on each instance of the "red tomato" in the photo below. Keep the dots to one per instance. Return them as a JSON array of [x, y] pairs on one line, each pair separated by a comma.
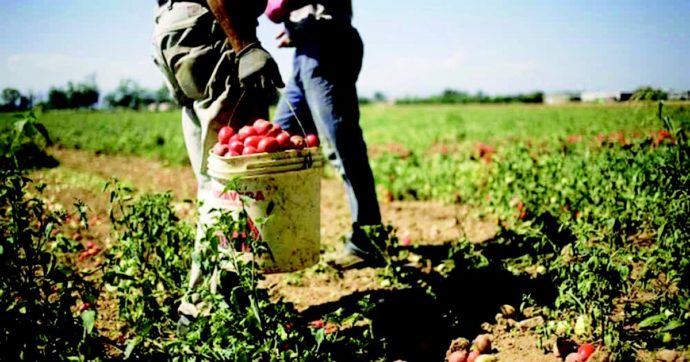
[[252, 141], [458, 356], [473, 356], [249, 150], [330, 328], [316, 324], [236, 147], [233, 154], [298, 142], [483, 343], [90, 244], [268, 144], [312, 140], [262, 126], [274, 131], [220, 150], [260, 121], [84, 307], [585, 350], [245, 132], [284, 139], [574, 357], [224, 135]]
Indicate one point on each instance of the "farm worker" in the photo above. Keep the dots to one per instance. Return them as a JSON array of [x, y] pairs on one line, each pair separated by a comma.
[[323, 95], [216, 69]]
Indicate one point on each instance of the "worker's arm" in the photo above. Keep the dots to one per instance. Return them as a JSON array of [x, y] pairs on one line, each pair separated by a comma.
[[238, 21], [256, 67], [278, 10]]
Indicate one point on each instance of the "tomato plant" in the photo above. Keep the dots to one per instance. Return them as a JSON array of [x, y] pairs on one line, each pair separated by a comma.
[[46, 303]]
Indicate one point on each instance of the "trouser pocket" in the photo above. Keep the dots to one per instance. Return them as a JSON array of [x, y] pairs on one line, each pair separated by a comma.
[[193, 71], [187, 47]]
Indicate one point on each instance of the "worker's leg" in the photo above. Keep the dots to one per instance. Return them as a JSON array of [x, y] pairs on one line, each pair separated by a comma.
[[192, 52], [329, 71], [292, 110]]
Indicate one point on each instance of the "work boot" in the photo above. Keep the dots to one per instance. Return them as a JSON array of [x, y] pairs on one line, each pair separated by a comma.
[[361, 250], [188, 312], [183, 325]]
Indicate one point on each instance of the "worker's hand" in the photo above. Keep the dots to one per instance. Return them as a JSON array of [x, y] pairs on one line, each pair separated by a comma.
[[284, 40], [257, 70]]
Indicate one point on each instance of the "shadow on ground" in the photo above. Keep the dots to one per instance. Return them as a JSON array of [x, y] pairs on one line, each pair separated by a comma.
[[418, 324]]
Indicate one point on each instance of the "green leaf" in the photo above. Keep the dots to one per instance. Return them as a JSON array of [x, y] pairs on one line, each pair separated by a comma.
[[319, 336], [660, 231], [88, 319], [41, 129], [131, 345], [255, 311], [674, 324], [20, 125], [652, 321], [19, 129]]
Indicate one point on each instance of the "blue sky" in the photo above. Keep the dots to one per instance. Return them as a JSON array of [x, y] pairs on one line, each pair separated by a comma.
[[411, 47]]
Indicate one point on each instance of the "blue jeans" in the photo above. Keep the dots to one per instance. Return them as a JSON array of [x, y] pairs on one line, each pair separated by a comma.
[[323, 94]]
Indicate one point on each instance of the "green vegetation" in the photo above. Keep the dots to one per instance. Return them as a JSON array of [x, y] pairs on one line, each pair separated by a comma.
[[451, 96], [159, 135], [591, 204], [609, 224], [39, 291]]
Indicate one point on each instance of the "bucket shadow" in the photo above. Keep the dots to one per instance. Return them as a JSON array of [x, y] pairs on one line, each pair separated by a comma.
[[408, 324], [416, 326]]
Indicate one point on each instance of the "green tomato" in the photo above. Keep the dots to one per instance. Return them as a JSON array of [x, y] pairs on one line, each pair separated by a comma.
[[581, 325]]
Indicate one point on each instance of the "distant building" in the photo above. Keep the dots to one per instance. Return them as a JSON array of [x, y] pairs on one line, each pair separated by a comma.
[[679, 96], [606, 96], [165, 106], [560, 98], [160, 107]]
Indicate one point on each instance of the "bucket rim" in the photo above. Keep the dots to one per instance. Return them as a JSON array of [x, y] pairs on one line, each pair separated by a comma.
[[314, 151]]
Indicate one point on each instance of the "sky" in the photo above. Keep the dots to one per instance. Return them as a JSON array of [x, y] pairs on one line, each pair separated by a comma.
[[412, 48]]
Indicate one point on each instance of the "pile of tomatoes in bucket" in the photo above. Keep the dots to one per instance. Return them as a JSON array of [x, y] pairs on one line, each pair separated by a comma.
[[260, 137]]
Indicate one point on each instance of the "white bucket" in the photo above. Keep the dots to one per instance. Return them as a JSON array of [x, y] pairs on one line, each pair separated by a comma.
[[286, 184]]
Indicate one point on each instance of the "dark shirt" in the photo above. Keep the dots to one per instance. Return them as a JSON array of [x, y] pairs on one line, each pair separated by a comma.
[[163, 2], [324, 17]]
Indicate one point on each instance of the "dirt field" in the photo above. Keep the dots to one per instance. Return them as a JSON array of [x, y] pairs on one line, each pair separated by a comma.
[[315, 290]]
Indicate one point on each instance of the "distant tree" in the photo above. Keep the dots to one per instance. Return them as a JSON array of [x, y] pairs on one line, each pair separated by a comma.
[[379, 97], [480, 97], [82, 95], [452, 96], [75, 95], [57, 99], [129, 95], [25, 103], [12, 100], [163, 95], [649, 94], [536, 97]]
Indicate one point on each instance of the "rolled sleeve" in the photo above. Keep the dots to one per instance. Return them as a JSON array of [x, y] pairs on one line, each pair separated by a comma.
[[276, 11]]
